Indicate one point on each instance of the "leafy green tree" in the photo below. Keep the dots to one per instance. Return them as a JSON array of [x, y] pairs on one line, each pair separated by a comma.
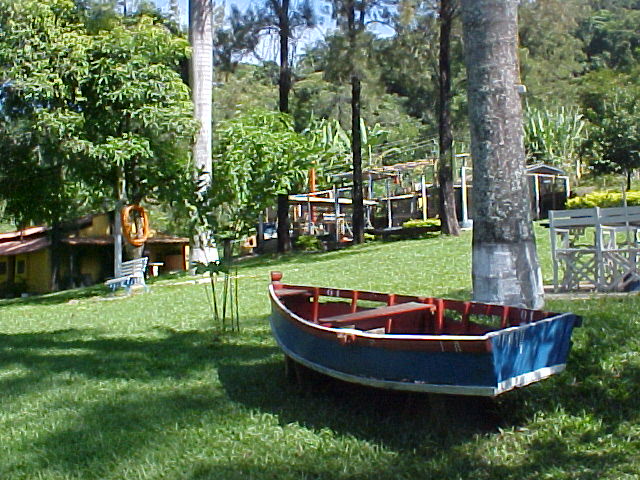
[[280, 15], [550, 50], [352, 16], [615, 134], [84, 110], [234, 39], [612, 38], [257, 156], [44, 61]]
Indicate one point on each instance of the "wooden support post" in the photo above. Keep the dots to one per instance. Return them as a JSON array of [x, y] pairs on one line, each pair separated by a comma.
[[439, 315], [465, 316], [309, 216], [354, 301], [504, 319], [315, 308], [336, 205], [388, 325], [389, 213]]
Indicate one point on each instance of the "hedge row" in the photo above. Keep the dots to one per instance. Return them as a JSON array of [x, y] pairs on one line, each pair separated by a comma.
[[603, 199]]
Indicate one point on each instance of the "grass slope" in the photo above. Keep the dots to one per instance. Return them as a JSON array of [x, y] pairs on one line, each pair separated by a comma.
[[141, 388]]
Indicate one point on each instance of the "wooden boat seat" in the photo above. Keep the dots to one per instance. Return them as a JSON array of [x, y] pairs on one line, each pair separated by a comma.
[[381, 312], [292, 292]]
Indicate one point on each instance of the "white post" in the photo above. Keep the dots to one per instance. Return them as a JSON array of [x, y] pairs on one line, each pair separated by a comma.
[[463, 198], [117, 242], [369, 196], [117, 224]]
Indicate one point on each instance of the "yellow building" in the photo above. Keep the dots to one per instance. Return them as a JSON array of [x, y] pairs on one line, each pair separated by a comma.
[[83, 255]]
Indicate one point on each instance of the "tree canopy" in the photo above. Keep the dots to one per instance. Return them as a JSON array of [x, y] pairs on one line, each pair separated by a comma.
[[80, 105], [257, 155]]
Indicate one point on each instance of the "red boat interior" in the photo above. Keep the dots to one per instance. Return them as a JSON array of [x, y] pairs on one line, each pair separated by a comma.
[[399, 314]]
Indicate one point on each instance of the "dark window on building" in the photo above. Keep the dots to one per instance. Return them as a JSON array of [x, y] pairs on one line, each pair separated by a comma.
[[3, 268], [21, 267]]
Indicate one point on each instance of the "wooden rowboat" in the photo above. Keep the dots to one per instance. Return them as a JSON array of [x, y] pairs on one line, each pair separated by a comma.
[[418, 344]]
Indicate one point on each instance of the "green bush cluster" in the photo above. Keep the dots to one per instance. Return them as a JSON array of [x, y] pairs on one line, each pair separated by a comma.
[[430, 222], [603, 199], [308, 243]]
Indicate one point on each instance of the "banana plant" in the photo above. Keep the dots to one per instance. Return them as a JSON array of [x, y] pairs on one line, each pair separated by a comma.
[[335, 143], [554, 136]]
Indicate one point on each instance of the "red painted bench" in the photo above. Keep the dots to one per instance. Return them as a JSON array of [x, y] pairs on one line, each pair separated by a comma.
[[382, 313], [292, 292]]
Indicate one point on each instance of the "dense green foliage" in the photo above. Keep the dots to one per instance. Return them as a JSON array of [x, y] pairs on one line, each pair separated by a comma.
[[138, 387], [604, 199], [574, 55], [80, 105], [257, 156], [555, 137]]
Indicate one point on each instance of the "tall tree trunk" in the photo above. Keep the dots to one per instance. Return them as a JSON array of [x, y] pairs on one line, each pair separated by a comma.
[[283, 223], [357, 222], [448, 216], [284, 85], [505, 262], [201, 81], [55, 236]]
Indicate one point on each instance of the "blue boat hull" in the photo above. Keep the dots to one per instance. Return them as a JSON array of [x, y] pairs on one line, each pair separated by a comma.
[[485, 365]]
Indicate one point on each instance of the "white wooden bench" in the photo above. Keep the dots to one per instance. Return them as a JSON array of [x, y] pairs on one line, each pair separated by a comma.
[[596, 246], [132, 273]]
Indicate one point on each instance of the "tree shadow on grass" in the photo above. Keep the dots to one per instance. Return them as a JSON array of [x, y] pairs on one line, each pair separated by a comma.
[[415, 425], [130, 416], [55, 298], [123, 393], [173, 354], [400, 420]]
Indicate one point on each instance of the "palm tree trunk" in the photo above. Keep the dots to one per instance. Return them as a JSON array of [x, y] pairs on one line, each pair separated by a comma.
[[505, 262], [448, 216], [201, 81]]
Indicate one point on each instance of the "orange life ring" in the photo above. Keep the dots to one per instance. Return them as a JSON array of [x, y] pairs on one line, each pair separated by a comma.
[[138, 238]]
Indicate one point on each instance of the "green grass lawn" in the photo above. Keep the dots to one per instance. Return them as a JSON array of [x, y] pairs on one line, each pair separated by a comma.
[[94, 387]]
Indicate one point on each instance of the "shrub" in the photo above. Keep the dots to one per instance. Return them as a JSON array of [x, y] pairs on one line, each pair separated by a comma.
[[603, 199], [369, 237], [308, 243], [430, 222]]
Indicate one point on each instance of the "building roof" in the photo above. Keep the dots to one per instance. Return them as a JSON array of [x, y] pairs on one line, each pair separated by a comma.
[[385, 171], [104, 240], [543, 169], [25, 232], [303, 198], [32, 239], [19, 247]]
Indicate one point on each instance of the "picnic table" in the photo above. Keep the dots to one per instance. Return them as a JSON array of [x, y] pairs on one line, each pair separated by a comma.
[[596, 248]]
